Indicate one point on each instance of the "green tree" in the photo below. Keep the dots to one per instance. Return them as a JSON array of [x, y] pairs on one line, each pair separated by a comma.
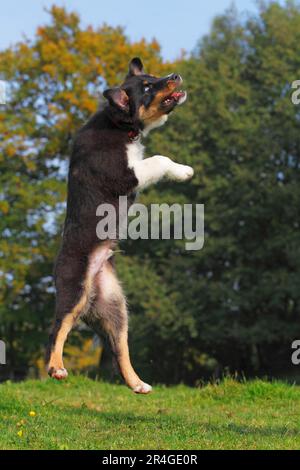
[[240, 131]]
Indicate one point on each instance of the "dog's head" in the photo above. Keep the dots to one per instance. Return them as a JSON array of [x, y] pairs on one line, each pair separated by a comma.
[[143, 100]]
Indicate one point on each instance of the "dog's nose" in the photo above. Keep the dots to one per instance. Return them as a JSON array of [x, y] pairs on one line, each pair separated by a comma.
[[176, 77]]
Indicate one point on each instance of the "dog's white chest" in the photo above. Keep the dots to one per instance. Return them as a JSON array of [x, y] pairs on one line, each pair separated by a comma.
[[135, 153]]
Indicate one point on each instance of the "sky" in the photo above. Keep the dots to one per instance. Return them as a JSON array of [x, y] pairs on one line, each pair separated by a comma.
[[176, 24]]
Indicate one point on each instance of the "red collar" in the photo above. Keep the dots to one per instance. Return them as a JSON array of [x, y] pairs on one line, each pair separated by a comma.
[[133, 135]]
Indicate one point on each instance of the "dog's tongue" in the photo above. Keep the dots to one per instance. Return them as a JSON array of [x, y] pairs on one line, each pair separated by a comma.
[[177, 95]]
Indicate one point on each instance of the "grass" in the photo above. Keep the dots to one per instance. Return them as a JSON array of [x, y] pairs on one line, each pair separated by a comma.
[[82, 414]]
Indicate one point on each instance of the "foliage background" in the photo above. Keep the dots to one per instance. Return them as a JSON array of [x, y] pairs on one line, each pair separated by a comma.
[[234, 306]]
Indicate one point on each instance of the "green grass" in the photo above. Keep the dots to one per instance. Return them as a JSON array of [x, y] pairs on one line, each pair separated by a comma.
[[82, 414]]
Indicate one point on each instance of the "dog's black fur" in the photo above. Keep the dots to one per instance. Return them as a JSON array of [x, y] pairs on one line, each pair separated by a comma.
[[98, 174]]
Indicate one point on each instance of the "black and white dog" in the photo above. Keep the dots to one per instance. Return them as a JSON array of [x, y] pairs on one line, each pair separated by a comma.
[[107, 162]]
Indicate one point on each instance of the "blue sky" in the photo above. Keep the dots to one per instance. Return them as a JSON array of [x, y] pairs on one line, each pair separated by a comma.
[[175, 24]]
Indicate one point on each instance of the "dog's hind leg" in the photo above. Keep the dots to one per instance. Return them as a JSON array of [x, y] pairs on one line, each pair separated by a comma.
[[72, 294], [110, 315]]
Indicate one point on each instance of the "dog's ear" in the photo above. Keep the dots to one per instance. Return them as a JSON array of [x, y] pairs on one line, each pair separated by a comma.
[[136, 67], [117, 97]]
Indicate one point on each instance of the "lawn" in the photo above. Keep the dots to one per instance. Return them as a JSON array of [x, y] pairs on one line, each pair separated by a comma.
[[83, 414]]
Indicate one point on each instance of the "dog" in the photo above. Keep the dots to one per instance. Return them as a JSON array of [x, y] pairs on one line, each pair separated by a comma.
[[107, 162]]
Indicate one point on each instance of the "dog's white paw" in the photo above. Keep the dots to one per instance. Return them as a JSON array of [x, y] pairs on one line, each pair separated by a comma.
[[182, 172], [143, 388], [58, 374]]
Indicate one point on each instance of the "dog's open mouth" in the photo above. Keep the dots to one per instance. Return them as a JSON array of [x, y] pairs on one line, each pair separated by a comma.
[[177, 97]]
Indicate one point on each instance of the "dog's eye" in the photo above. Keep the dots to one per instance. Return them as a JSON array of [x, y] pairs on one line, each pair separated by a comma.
[[146, 88]]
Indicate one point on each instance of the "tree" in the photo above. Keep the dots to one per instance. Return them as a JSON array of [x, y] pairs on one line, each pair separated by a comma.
[[235, 304], [240, 131], [55, 82]]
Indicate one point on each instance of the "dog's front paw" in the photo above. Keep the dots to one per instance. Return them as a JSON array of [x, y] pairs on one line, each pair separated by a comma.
[[58, 374], [182, 172]]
